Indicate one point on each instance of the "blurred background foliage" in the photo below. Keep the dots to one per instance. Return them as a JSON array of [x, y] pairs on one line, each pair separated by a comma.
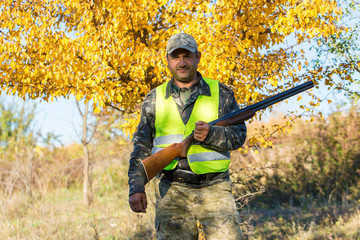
[[318, 161]]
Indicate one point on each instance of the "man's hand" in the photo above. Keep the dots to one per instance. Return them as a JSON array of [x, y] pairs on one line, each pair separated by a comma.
[[138, 202], [201, 131]]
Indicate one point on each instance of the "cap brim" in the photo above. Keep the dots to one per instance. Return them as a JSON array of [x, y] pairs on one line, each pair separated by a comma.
[[182, 47]]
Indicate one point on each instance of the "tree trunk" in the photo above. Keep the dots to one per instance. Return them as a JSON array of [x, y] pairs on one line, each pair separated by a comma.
[[87, 191], [30, 157]]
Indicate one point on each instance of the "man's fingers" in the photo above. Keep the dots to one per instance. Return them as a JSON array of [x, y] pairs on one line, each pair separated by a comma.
[[200, 123], [200, 126], [143, 204], [201, 131], [136, 207]]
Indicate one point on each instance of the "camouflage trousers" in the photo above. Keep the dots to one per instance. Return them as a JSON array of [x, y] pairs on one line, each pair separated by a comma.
[[179, 209]]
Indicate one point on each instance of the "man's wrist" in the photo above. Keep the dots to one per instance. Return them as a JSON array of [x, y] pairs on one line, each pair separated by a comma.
[[136, 189], [207, 140]]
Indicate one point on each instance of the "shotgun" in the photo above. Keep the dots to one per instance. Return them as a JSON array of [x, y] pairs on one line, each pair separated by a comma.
[[156, 162]]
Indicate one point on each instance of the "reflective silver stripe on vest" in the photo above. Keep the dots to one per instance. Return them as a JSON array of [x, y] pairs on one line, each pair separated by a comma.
[[175, 138], [209, 156], [156, 149]]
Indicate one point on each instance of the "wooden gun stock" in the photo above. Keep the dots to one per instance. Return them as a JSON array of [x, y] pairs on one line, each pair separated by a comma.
[[159, 160]]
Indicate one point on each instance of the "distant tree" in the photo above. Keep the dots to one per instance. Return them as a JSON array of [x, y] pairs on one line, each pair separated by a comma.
[[17, 125], [19, 138], [87, 133]]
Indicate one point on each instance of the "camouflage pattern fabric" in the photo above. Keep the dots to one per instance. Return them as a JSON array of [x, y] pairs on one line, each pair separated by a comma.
[[178, 209], [219, 138], [181, 40]]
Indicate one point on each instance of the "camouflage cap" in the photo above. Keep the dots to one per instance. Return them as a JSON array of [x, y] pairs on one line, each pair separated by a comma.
[[181, 40]]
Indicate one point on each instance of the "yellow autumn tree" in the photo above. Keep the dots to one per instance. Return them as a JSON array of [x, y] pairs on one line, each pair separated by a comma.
[[113, 52]]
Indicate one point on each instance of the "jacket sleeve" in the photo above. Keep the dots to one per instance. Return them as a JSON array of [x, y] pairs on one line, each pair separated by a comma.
[[227, 138], [143, 143]]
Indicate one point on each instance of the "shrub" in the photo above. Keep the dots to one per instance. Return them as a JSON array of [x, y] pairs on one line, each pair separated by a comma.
[[318, 161]]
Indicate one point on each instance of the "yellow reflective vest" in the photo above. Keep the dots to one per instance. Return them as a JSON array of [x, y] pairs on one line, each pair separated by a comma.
[[169, 128]]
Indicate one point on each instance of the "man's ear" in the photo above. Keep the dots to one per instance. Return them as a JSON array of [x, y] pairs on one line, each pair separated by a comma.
[[198, 55]]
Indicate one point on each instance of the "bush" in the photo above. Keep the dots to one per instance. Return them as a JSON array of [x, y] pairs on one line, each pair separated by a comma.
[[318, 161]]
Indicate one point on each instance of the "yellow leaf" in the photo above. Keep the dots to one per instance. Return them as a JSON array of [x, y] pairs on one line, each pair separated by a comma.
[[273, 81], [119, 98], [79, 95], [96, 110]]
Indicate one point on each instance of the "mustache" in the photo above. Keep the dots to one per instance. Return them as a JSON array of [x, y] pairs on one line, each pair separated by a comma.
[[181, 68]]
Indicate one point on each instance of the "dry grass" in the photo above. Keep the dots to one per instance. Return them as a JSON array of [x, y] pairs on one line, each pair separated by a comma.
[[317, 222], [62, 215]]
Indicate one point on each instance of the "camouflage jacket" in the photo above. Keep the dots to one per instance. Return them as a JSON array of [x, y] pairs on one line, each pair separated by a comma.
[[220, 138]]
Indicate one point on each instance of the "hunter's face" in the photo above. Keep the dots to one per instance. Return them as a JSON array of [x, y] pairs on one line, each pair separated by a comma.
[[183, 64]]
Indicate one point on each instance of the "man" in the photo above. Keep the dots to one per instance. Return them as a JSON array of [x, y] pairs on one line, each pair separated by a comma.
[[196, 189]]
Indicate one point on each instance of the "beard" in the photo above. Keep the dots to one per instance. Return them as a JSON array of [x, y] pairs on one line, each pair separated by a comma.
[[183, 74]]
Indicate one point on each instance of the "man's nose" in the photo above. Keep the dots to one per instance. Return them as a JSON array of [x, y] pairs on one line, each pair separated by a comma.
[[182, 62]]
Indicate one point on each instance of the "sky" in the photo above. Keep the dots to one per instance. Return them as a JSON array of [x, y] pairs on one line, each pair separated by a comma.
[[60, 117]]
